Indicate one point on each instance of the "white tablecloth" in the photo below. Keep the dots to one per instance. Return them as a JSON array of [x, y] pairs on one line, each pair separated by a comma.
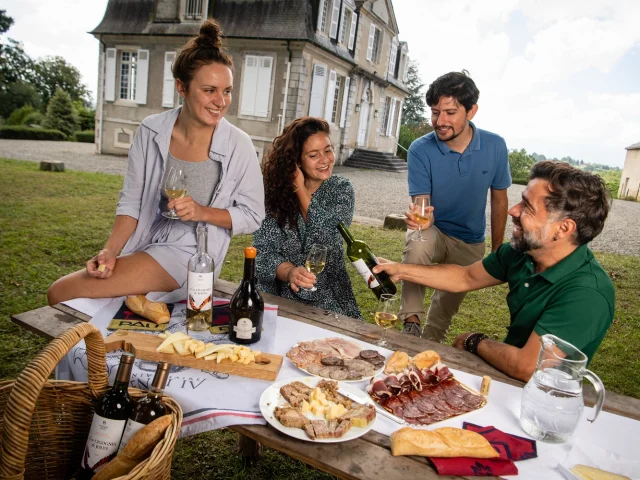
[[211, 401]]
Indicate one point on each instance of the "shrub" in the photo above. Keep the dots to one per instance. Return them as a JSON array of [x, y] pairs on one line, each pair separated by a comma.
[[35, 118], [60, 113], [520, 163], [408, 134], [86, 136], [26, 133], [19, 114], [86, 116], [15, 95]]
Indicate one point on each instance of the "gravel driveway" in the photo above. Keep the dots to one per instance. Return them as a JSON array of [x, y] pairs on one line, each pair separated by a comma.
[[378, 193]]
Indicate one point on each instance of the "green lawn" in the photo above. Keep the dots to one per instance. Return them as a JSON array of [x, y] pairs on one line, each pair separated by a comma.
[[54, 222]]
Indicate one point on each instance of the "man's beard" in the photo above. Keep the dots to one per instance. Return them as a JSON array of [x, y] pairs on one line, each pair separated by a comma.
[[529, 240], [452, 135]]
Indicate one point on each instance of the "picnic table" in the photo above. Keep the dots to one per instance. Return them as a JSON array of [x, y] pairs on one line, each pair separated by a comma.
[[363, 458]]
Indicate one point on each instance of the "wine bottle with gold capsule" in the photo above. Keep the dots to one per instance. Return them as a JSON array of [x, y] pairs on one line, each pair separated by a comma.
[[149, 407], [247, 306]]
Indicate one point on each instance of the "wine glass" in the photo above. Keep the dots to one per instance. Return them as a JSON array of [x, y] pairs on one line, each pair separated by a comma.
[[386, 315], [175, 186], [422, 215], [315, 262]]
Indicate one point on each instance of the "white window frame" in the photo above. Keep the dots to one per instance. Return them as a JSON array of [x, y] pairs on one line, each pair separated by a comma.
[[323, 10], [336, 107], [329, 93], [392, 116], [335, 15], [193, 9], [352, 29], [373, 46], [384, 118], [345, 99], [243, 108], [392, 58], [343, 24], [132, 67]]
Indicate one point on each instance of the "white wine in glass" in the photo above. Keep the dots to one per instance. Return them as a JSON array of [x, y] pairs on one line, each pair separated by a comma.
[[315, 262], [422, 214], [175, 186], [386, 315]]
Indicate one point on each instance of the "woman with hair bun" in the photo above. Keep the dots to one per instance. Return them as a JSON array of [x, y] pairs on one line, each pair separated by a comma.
[[146, 252], [304, 204]]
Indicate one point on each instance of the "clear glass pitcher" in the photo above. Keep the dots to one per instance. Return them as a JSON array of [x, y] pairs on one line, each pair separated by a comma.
[[552, 400]]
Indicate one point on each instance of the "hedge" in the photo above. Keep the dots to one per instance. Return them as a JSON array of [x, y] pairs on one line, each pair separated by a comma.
[[27, 133], [87, 136]]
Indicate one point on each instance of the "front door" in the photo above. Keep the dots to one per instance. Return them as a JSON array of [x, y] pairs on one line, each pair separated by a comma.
[[363, 125]]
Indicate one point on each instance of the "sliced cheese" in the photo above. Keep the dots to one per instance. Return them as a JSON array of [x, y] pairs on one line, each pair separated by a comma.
[[305, 407], [180, 348], [589, 473], [166, 349], [174, 337]]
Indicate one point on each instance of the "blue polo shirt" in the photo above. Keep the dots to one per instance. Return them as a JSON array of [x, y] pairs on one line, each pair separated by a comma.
[[459, 182]]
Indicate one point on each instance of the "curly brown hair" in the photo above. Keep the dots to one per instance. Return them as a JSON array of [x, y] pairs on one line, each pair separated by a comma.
[[204, 49], [279, 169], [573, 193]]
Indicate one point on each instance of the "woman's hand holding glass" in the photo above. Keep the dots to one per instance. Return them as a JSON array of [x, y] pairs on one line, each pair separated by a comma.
[[175, 186], [299, 277], [187, 209]]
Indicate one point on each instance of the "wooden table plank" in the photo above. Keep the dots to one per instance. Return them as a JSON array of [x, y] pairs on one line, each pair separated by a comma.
[[46, 322]]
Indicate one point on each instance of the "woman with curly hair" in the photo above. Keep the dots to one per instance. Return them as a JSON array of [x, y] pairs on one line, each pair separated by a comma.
[[304, 204]]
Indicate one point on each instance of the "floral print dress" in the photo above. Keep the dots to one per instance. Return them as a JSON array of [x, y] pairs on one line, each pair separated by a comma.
[[332, 203]]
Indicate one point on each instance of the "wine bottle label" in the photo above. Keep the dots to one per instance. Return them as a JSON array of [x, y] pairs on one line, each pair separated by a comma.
[[200, 291], [365, 273], [244, 329], [103, 441], [129, 431]]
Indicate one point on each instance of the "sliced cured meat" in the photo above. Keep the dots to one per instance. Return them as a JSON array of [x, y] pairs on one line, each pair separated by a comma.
[[473, 401], [394, 385], [444, 407], [455, 391], [427, 377], [415, 395], [332, 361], [411, 411], [353, 374], [404, 398], [346, 348], [415, 379], [358, 364], [339, 374], [380, 389], [424, 405], [368, 354], [314, 369], [326, 371], [443, 373], [455, 403], [405, 383]]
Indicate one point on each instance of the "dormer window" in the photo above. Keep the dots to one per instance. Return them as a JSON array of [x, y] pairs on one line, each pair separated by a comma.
[[375, 43], [193, 9]]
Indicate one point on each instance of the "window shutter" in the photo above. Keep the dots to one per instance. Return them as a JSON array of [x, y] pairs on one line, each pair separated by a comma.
[[390, 119], [345, 97], [343, 25], [142, 77], [352, 30], [263, 87], [372, 33], [168, 83], [110, 75], [333, 30], [317, 91], [320, 12], [397, 134], [249, 85], [392, 58], [406, 69], [331, 93]]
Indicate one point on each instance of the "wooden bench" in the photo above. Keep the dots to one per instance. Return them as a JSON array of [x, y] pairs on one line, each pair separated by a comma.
[[366, 457]]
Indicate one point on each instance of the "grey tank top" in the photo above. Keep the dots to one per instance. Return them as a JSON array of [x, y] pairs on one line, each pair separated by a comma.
[[202, 180]]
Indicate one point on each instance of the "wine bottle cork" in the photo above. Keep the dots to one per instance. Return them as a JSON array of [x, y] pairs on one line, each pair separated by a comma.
[[486, 383]]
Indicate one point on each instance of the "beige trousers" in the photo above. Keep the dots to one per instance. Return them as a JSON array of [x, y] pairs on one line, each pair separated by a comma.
[[437, 248]]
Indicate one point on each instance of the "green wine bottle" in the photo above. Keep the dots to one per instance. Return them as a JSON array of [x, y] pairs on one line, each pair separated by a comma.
[[364, 260]]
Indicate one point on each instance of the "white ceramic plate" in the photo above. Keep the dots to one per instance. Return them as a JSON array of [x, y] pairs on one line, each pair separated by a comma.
[[271, 398], [375, 373]]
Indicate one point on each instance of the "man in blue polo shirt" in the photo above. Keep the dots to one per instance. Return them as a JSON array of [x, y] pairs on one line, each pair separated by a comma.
[[456, 165], [556, 286]]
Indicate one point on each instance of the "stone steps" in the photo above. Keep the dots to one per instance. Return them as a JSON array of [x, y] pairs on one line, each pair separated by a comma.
[[376, 160]]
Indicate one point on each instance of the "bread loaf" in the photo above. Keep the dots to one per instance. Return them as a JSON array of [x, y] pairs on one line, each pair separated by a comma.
[[155, 311], [426, 359], [589, 473], [139, 447], [442, 442], [397, 362]]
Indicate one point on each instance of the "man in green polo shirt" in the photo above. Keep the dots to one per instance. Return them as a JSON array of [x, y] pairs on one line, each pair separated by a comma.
[[556, 285]]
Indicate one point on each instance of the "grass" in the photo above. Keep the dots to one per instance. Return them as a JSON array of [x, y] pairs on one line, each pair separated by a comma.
[[52, 223]]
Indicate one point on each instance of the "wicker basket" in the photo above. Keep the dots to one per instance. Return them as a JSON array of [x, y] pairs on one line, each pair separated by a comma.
[[46, 422]]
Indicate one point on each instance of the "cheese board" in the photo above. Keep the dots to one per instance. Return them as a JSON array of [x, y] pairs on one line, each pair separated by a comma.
[[143, 346]]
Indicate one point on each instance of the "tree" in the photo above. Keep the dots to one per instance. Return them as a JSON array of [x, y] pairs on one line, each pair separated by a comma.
[[60, 114], [54, 72], [86, 117], [520, 163], [413, 107], [5, 21], [15, 64], [15, 95]]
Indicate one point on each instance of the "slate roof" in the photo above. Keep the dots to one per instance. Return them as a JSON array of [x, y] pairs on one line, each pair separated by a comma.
[[635, 146]]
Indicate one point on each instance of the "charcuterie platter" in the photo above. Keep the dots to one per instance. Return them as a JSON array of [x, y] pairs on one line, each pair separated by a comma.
[[337, 359], [423, 396]]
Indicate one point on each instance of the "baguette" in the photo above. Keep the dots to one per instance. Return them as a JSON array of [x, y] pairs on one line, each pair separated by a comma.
[[139, 447], [397, 363], [426, 359], [589, 473], [155, 311], [442, 442]]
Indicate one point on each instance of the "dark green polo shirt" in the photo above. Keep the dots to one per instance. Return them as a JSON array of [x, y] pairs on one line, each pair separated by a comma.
[[573, 300]]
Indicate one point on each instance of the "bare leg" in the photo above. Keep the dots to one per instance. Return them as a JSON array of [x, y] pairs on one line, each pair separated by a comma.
[[136, 273]]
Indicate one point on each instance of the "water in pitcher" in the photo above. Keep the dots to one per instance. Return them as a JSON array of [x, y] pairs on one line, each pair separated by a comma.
[[551, 405]]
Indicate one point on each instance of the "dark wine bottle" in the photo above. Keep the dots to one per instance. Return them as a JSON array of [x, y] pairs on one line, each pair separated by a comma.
[[111, 413], [149, 407], [247, 306], [364, 260]]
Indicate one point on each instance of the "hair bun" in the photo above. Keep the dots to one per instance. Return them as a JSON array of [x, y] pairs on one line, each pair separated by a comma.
[[210, 35]]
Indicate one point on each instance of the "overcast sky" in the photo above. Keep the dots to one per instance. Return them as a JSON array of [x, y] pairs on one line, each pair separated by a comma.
[[558, 77]]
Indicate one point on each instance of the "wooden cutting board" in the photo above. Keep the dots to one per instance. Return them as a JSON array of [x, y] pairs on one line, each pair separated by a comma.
[[144, 346]]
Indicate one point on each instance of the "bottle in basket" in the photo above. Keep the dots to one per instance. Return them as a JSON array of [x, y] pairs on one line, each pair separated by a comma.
[[148, 408], [247, 306], [200, 286], [111, 413]]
